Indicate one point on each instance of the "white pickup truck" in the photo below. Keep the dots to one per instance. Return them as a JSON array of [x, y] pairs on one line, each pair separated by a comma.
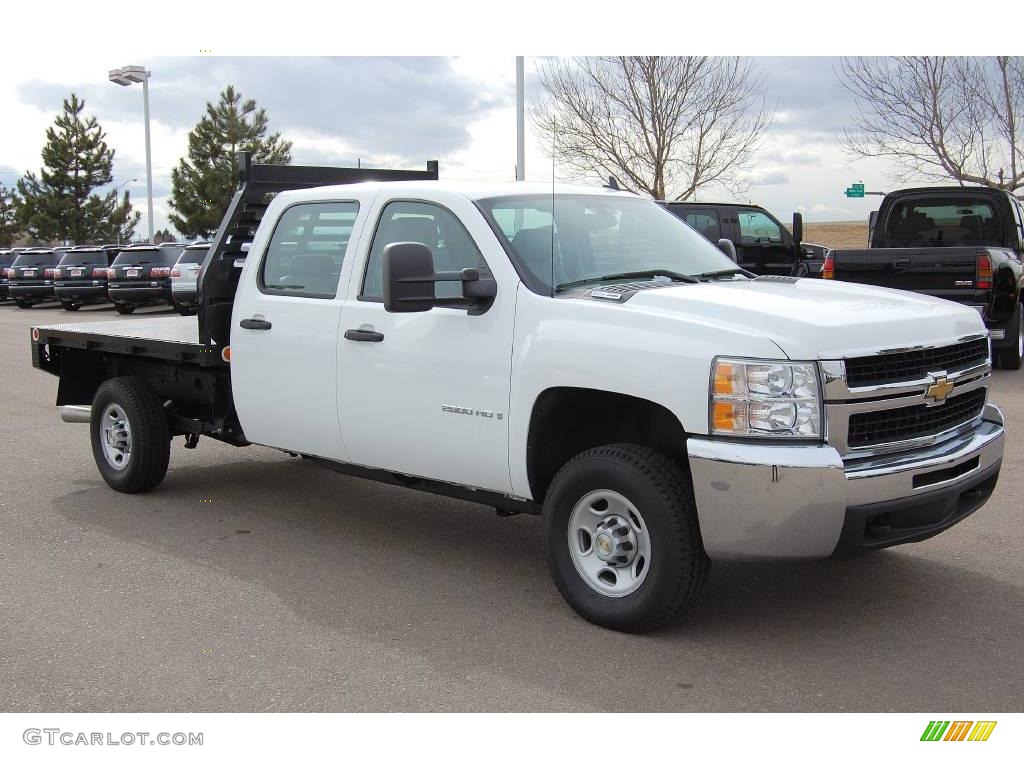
[[578, 353]]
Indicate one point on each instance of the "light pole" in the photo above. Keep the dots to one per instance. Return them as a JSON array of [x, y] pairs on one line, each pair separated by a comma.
[[127, 76], [520, 122]]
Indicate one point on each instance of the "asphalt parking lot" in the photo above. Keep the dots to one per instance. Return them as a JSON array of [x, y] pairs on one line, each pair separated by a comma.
[[251, 580]]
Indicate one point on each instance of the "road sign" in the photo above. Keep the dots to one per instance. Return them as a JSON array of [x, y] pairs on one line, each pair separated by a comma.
[[855, 191], [858, 185]]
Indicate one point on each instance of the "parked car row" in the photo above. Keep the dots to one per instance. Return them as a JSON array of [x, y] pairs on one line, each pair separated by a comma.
[[130, 276]]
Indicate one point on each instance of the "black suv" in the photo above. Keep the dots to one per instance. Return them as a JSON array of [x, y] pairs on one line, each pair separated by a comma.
[[141, 275], [30, 277], [81, 276], [759, 240], [7, 257]]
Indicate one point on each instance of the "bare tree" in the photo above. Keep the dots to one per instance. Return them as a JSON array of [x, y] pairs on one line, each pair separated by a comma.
[[940, 117], [664, 125]]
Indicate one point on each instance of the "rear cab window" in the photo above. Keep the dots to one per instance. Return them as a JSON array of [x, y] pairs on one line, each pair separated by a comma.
[[942, 220], [307, 250]]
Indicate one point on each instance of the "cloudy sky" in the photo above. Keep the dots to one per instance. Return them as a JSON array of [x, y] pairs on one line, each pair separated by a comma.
[[404, 111]]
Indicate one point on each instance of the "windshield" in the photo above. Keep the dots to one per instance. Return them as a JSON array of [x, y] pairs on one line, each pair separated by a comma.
[[193, 256], [140, 256], [36, 260], [74, 258], [592, 238], [942, 221]]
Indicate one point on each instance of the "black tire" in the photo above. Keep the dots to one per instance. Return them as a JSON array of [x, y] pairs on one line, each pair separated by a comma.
[[150, 434], [23, 304], [70, 306], [123, 309], [1010, 356], [662, 493], [183, 310]]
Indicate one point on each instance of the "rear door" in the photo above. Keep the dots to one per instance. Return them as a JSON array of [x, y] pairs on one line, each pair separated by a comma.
[[284, 326]]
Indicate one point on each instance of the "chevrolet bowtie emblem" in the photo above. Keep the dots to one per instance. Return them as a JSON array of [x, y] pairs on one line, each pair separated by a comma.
[[940, 390]]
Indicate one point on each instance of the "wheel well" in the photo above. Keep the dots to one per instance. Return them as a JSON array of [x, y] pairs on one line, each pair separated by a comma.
[[568, 420]]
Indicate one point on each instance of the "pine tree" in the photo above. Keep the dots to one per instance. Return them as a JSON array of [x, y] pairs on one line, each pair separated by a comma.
[[9, 228], [203, 182], [60, 203], [163, 236]]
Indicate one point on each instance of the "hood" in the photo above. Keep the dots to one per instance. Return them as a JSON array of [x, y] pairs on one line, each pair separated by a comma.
[[813, 319]]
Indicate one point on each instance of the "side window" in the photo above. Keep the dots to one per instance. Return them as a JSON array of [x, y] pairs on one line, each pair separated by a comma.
[[757, 228], [705, 222], [307, 250], [436, 228]]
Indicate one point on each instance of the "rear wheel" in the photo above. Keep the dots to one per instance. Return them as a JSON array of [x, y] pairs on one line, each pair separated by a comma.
[[131, 440], [124, 309], [182, 310], [23, 304], [70, 306], [1011, 356], [622, 538]]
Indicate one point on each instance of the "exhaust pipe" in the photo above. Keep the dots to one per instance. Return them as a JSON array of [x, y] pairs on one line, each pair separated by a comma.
[[76, 414]]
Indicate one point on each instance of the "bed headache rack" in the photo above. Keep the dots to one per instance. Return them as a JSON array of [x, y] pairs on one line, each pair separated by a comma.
[[257, 186]]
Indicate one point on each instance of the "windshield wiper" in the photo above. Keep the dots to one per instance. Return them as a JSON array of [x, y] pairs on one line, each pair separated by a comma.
[[723, 273], [676, 276]]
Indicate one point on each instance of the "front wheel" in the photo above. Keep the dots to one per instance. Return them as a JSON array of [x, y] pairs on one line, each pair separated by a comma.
[[622, 538], [131, 440], [1012, 355]]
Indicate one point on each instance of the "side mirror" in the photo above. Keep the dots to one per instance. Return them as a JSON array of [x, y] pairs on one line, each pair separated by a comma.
[[726, 246], [798, 227], [409, 279]]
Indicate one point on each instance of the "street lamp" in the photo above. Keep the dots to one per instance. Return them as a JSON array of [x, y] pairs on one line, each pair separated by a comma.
[[127, 76]]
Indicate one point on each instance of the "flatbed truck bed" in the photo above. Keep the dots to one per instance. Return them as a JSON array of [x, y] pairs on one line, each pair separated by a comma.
[[161, 338]]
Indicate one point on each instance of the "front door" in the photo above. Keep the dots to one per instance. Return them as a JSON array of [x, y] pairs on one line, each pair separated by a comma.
[[764, 246], [284, 330], [427, 393]]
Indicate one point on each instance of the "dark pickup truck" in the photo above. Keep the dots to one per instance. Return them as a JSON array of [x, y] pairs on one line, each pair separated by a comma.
[[760, 243], [958, 243]]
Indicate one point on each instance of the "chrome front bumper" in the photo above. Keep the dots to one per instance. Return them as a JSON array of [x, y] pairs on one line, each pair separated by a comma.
[[761, 502]]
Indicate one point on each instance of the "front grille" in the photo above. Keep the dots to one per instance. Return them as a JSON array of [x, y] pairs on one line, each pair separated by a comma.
[[878, 427], [914, 364]]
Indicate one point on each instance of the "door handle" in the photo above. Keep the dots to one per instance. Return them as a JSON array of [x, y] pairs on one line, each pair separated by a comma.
[[255, 324], [901, 262], [356, 334]]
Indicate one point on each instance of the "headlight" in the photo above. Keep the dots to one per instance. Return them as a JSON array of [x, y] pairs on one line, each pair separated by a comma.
[[765, 398]]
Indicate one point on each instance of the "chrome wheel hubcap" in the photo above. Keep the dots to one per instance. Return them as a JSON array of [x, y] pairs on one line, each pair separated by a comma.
[[609, 543], [115, 436]]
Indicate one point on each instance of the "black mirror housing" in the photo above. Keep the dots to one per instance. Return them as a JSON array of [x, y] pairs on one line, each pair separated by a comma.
[[798, 227], [409, 279]]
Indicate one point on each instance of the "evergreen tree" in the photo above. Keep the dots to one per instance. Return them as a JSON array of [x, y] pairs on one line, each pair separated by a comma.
[[60, 203], [203, 182], [163, 236], [8, 221]]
